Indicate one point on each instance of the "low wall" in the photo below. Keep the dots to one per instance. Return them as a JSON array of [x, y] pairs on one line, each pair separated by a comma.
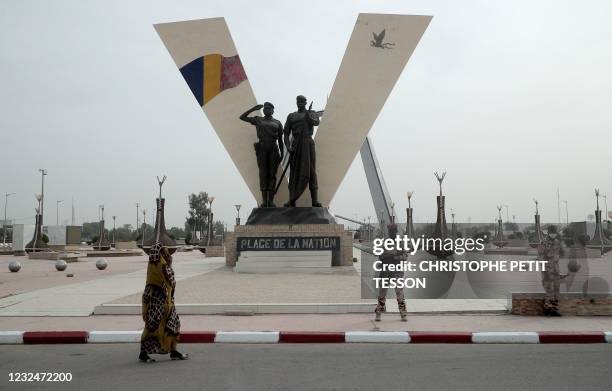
[[569, 304]]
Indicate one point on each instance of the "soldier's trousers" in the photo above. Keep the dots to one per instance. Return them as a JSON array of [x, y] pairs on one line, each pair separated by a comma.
[[382, 291], [551, 283], [268, 160]]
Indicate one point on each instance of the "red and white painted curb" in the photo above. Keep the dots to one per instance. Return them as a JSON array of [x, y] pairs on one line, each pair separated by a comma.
[[268, 337]]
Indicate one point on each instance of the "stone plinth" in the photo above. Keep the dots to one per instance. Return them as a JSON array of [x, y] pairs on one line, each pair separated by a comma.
[[54, 256], [286, 235], [213, 251], [115, 253], [569, 304], [283, 261], [286, 216], [131, 245]]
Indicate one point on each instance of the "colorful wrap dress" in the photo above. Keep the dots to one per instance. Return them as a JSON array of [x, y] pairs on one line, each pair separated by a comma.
[[162, 324]]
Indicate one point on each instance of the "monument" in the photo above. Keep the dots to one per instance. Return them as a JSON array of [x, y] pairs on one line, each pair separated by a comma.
[[599, 240], [539, 235], [409, 222], [206, 56], [37, 243], [102, 244], [498, 240], [441, 229], [160, 233]]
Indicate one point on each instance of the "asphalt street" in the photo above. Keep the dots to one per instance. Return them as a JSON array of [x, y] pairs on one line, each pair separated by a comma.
[[317, 367]]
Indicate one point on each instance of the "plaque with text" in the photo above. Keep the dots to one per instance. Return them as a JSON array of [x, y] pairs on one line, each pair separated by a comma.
[[288, 243]]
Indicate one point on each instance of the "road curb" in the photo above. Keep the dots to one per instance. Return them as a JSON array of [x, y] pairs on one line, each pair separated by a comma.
[[55, 337], [273, 337]]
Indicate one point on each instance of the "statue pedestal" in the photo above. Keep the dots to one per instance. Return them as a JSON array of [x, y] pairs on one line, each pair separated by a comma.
[[290, 216], [284, 261], [306, 244]]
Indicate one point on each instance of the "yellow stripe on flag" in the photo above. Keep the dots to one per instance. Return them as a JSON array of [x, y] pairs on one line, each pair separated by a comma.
[[212, 76]]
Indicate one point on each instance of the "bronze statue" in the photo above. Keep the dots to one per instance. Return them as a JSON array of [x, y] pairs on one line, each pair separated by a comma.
[[269, 149], [300, 125]]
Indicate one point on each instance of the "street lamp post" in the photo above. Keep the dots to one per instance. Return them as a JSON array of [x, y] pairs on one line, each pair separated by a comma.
[[144, 224], [210, 217], [113, 244], [137, 219], [6, 196], [57, 211], [238, 214], [43, 173], [566, 213]]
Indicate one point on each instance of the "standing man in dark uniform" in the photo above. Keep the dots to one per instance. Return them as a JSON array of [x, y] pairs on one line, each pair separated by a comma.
[[549, 250], [300, 124], [269, 149], [391, 257]]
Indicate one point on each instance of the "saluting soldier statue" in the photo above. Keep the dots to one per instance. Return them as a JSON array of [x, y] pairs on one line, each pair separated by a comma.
[[300, 125], [269, 149]]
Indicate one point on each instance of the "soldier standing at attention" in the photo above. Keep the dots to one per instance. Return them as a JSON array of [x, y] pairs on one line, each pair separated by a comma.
[[549, 250], [391, 257], [269, 149]]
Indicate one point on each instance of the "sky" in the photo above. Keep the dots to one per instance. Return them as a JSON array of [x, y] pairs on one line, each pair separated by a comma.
[[512, 99]]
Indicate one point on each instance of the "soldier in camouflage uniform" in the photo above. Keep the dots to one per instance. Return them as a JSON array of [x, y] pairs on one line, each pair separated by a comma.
[[549, 250], [391, 257]]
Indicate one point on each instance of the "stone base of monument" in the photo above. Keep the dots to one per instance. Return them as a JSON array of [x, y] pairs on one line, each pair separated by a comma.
[[115, 253], [290, 216], [569, 304], [212, 251], [284, 261], [54, 256], [302, 242]]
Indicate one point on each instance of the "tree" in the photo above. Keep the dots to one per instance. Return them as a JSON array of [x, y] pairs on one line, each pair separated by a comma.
[[198, 213], [218, 228], [176, 233], [90, 230]]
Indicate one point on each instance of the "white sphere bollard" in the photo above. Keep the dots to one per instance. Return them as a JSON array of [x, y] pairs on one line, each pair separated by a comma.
[[101, 264], [14, 266], [61, 265]]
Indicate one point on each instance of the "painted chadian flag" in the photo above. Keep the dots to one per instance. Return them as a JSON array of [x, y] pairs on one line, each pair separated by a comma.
[[207, 76]]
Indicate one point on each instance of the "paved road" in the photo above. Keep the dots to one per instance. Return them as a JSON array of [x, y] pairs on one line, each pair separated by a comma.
[[319, 367]]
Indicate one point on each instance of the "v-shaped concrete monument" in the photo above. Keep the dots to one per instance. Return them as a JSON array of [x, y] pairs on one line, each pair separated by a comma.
[[377, 52]]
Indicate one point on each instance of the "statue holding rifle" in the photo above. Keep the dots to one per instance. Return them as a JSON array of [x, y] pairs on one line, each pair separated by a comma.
[[298, 132]]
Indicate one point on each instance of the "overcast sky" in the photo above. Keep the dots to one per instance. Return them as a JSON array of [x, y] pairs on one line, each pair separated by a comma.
[[512, 98]]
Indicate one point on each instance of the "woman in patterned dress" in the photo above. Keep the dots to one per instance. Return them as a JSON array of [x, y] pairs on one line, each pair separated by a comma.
[[162, 324]]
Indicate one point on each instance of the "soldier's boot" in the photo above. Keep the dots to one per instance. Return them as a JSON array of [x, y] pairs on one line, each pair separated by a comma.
[[401, 304], [315, 199], [290, 204], [264, 199], [271, 199], [380, 308]]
